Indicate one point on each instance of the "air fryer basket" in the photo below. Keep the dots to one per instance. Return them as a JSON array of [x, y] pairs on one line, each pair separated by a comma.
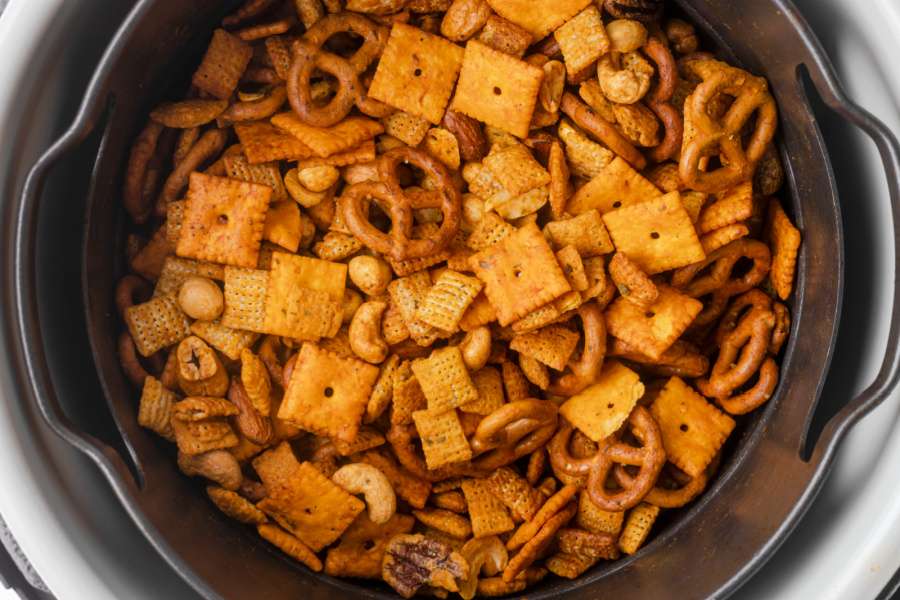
[[765, 483]]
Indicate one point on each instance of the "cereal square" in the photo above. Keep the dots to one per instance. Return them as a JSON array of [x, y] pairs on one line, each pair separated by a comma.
[[488, 514], [582, 40], [304, 297], [223, 220], [245, 299], [417, 72], [223, 64], [652, 329], [539, 17], [490, 392], [552, 346], [516, 169], [657, 235], [156, 324], [447, 300], [443, 439], [325, 141], [445, 379], [586, 232], [497, 88], [262, 142]]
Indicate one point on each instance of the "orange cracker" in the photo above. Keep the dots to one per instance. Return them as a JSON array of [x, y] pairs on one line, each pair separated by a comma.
[[602, 408], [290, 545], [731, 206], [223, 220], [616, 186], [586, 232], [539, 17], [304, 296], [514, 491], [310, 506], [637, 527], [582, 40], [572, 265], [516, 169], [238, 167], [443, 440], [277, 465], [586, 157], [480, 312], [325, 141], [223, 64], [245, 298], [445, 379], [416, 72], [693, 203], [490, 392], [785, 240], [328, 394], [520, 274], [552, 346], [361, 549], [488, 514], [652, 329], [362, 153], [497, 88], [447, 300], [226, 340], [262, 142], [657, 235], [156, 324], [693, 430]]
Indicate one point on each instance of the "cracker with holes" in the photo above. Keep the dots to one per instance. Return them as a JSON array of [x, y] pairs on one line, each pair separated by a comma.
[[223, 220], [283, 225], [538, 17], [551, 346], [489, 384], [262, 142], [223, 64], [601, 409], [657, 235], [596, 520], [447, 300], [520, 274], [361, 548], [442, 436], [586, 232], [445, 379], [487, 512], [617, 185], [497, 89], [652, 329], [245, 299], [328, 394], [693, 430], [156, 324], [417, 72], [326, 141], [311, 507], [785, 240], [176, 271], [582, 40], [304, 297]]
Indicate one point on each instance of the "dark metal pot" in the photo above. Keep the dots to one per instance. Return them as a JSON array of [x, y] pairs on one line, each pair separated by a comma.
[[766, 483]]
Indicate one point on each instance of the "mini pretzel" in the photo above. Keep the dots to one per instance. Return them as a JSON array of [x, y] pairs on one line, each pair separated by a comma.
[[564, 461], [667, 497], [584, 370], [207, 147], [741, 353], [756, 396], [254, 110], [782, 327], [708, 137], [659, 100], [399, 205], [754, 299], [131, 363], [723, 261], [136, 202], [130, 290], [601, 129], [512, 431]]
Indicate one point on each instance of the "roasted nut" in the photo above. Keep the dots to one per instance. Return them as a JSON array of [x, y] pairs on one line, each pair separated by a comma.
[[769, 175], [626, 35], [200, 298], [469, 134], [219, 466], [254, 426], [365, 332], [318, 179], [361, 172], [200, 371], [352, 301], [626, 80], [412, 561], [375, 7], [301, 194], [552, 86], [473, 211], [464, 19], [361, 478], [682, 36], [370, 274], [476, 348], [485, 555], [642, 10]]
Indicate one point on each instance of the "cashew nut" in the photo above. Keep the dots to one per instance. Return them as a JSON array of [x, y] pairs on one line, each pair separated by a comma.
[[366, 339], [370, 274], [683, 36], [302, 195], [219, 466], [624, 78], [200, 371], [352, 301], [200, 298], [486, 554], [361, 478], [626, 35], [318, 179], [476, 348]]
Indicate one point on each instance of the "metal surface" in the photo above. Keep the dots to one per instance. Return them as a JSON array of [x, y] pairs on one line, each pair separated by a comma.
[[770, 441]]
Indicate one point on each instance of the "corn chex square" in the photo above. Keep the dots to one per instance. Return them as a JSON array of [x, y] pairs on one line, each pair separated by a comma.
[[408, 294], [262, 142], [497, 88], [245, 299], [445, 379], [447, 300], [304, 297], [176, 271], [693, 430], [328, 394], [516, 169], [539, 17], [520, 274], [586, 232], [600, 410], [226, 340], [155, 409], [552, 345], [223, 220], [582, 40], [408, 398], [490, 392], [223, 64], [442, 436], [487, 513], [617, 185], [515, 492], [652, 329], [156, 324], [657, 235], [417, 72], [238, 167]]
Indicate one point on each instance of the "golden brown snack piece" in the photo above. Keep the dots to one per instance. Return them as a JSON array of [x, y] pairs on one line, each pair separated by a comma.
[[411, 561]]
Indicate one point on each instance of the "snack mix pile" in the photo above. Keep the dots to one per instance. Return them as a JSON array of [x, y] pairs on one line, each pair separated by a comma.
[[455, 294]]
